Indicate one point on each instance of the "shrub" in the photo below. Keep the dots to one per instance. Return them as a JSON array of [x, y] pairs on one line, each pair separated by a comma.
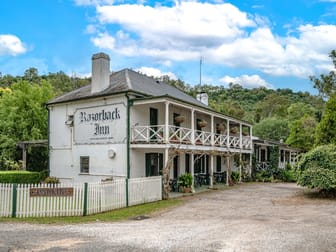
[[287, 175], [235, 176], [21, 177], [51, 180], [317, 168], [320, 178], [185, 180]]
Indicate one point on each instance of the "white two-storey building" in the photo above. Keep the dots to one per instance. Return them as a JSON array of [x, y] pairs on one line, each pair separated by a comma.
[[123, 125]]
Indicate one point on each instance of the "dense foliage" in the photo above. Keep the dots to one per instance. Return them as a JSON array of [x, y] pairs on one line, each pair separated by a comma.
[[326, 130], [317, 168], [24, 116]]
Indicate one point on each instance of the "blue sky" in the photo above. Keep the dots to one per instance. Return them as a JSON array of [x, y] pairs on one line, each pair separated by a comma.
[[271, 43]]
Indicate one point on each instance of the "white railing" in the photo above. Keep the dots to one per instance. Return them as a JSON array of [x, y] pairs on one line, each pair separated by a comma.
[[220, 139], [148, 133], [44, 206], [247, 143], [87, 198], [180, 135], [6, 200], [234, 142], [145, 192], [202, 137]]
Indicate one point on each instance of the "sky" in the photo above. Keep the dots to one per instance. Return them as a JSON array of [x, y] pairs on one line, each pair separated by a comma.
[[256, 43]]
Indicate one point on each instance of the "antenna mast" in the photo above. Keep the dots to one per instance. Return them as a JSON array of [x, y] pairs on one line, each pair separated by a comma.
[[200, 74]]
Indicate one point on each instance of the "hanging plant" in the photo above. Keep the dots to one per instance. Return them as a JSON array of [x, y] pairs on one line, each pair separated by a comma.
[[202, 123], [179, 119], [234, 130], [221, 127]]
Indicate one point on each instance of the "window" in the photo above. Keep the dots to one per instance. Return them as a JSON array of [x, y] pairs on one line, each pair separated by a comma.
[[84, 164]]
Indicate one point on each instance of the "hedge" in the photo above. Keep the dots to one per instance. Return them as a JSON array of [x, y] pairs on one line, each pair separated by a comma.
[[22, 177]]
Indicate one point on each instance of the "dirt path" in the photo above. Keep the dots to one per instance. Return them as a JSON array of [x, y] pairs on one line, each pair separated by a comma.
[[250, 217]]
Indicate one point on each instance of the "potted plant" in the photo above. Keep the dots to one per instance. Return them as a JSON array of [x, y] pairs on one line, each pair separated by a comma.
[[185, 181], [179, 119], [202, 123], [221, 127], [234, 130]]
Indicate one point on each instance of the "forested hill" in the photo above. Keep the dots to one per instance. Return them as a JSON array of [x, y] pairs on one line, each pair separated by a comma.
[[255, 104]]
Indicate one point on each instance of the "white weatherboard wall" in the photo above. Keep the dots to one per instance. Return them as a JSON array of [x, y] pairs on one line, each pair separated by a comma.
[[99, 131]]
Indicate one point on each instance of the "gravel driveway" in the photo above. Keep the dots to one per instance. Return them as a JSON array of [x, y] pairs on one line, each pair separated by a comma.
[[248, 217]]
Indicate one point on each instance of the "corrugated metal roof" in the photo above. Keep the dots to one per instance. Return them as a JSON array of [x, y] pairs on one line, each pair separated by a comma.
[[129, 80]]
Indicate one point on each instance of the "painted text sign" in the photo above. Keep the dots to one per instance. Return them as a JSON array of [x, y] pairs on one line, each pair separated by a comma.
[[101, 124], [51, 192]]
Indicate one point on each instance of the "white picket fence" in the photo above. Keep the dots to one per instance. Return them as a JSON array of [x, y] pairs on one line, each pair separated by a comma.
[[95, 198]]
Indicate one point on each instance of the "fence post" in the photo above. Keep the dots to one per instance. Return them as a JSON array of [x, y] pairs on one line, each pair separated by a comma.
[[85, 198], [14, 203], [126, 192]]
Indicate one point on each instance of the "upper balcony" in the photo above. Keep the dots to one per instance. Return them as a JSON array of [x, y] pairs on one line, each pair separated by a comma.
[[158, 134], [165, 121]]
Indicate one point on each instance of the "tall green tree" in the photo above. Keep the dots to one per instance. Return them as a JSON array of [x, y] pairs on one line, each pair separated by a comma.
[[302, 133], [23, 115], [272, 128], [326, 83], [326, 129], [273, 105]]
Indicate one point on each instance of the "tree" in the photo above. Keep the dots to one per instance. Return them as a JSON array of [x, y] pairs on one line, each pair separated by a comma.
[[325, 132], [326, 84], [273, 105], [302, 133], [272, 128], [300, 109], [23, 115]]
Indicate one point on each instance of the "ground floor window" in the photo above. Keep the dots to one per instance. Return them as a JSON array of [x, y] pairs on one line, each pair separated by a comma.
[[154, 164], [84, 164]]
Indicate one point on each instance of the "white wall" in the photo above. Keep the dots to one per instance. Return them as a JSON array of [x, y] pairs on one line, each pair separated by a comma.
[[65, 152]]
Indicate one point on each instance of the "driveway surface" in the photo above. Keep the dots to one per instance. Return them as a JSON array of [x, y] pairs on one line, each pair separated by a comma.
[[248, 217]]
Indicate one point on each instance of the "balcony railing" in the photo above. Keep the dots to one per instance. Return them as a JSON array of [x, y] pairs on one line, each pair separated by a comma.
[[179, 135]]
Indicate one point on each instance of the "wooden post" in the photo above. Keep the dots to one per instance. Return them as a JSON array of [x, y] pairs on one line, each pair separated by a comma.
[[24, 156], [211, 170], [227, 170]]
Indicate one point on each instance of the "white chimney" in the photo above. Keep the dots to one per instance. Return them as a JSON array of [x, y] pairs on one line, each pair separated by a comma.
[[203, 97], [100, 72]]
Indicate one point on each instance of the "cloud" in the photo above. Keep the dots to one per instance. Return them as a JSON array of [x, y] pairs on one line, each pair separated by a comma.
[[247, 81], [11, 45], [220, 32], [154, 72]]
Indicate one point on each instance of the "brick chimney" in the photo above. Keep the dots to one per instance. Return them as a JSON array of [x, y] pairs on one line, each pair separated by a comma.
[[100, 72]]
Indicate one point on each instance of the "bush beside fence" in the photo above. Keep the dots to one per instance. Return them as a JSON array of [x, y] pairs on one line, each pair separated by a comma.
[[17, 200]]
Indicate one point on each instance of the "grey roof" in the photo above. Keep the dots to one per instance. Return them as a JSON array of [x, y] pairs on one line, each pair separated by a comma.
[[129, 80]]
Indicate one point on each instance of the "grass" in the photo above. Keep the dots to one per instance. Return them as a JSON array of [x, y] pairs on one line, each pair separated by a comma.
[[114, 215]]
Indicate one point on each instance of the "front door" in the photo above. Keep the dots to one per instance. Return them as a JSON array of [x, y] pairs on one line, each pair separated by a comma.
[[154, 164]]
